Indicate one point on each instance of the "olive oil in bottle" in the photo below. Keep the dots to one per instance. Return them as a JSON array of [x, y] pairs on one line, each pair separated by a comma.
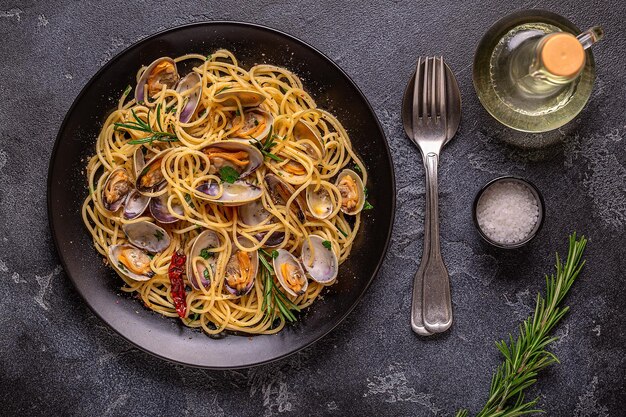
[[533, 70]]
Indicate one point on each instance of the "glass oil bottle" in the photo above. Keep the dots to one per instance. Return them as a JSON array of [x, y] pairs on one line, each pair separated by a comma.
[[533, 70]]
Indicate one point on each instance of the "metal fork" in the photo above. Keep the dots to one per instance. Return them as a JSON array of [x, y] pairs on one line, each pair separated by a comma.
[[431, 303]]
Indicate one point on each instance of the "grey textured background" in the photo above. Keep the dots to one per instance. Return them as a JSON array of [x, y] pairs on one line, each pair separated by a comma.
[[57, 358]]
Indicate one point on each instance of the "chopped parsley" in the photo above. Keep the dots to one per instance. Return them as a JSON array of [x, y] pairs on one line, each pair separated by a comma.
[[274, 254], [282, 90], [365, 191], [206, 254], [121, 267], [237, 112], [256, 122], [327, 244], [194, 317], [229, 174], [159, 235], [367, 206], [357, 168], [208, 57], [206, 274]]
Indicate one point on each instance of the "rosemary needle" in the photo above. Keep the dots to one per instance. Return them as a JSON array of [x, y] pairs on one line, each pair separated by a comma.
[[526, 355]]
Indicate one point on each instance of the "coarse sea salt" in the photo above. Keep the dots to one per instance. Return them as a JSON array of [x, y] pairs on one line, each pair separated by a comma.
[[507, 212]]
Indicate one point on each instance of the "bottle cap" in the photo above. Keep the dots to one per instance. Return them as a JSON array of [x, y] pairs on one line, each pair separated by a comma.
[[563, 55]]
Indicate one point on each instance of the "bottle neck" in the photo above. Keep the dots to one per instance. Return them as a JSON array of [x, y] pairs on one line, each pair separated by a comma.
[[549, 63]]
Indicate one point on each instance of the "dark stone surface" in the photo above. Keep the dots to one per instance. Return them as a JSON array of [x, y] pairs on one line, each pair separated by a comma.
[[57, 358]]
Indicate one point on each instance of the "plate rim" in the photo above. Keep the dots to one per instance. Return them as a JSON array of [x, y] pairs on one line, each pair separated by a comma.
[[138, 43]]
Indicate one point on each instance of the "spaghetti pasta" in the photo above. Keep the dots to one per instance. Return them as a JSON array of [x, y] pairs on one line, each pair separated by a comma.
[[238, 170]]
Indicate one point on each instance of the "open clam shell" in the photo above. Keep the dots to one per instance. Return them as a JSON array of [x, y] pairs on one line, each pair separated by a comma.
[[247, 97], [241, 156], [139, 160], [160, 211], [236, 194], [289, 273], [191, 81], [311, 139], [136, 204], [202, 262], [352, 191], [319, 202], [116, 188], [151, 178], [256, 124], [241, 269], [147, 235], [281, 192], [160, 72], [319, 261], [252, 214], [131, 262]]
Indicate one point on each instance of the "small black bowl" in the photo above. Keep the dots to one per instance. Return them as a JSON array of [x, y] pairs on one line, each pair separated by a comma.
[[542, 211]]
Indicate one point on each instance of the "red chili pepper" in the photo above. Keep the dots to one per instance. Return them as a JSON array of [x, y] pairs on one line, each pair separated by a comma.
[[175, 273]]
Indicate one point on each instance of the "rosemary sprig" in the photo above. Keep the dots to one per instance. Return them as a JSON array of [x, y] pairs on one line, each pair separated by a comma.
[[266, 146], [274, 300], [526, 356], [143, 126]]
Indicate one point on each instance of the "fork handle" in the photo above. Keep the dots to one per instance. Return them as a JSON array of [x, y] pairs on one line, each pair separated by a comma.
[[436, 301]]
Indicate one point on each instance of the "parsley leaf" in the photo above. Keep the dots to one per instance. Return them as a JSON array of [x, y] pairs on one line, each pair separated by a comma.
[[229, 174], [357, 168], [208, 57], [327, 244], [121, 266], [194, 317], [206, 274], [274, 254], [367, 206], [342, 232], [206, 253], [159, 235]]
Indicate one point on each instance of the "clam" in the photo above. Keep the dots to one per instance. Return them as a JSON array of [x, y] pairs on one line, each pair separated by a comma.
[[191, 81], [151, 178], [319, 261], [294, 168], [319, 201], [229, 96], [241, 269], [236, 194], [311, 139], [131, 261], [136, 204], [352, 192], [254, 213], [201, 262], [256, 123], [116, 188], [147, 235], [139, 160], [160, 211], [290, 273], [242, 157], [161, 72], [281, 192]]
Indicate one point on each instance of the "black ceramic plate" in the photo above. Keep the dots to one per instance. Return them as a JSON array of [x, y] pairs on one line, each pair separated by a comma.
[[99, 285]]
